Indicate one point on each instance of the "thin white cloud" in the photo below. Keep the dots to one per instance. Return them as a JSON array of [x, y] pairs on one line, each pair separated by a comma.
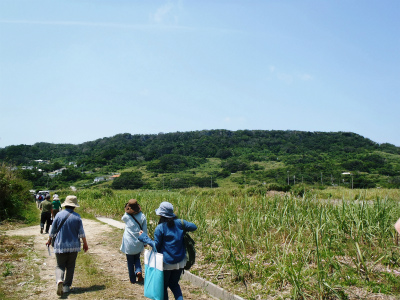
[[143, 27], [288, 77], [305, 77], [272, 69], [285, 77], [162, 13], [73, 23], [238, 120]]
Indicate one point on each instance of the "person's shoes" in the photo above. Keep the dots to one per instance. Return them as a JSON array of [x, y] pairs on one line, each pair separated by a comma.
[[46, 232], [139, 277], [41, 230], [60, 288], [66, 289]]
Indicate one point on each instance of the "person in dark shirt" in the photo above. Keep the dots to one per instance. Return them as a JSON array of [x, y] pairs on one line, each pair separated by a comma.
[[47, 209]]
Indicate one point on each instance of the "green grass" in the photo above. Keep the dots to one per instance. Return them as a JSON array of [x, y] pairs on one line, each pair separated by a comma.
[[317, 246], [31, 215]]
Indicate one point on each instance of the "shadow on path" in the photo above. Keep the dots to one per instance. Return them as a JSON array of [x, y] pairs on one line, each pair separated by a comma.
[[83, 290]]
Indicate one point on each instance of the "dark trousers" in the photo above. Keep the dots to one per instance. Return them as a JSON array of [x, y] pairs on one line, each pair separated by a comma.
[[65, 267], [134, 266], [171, 280], [45, 217]]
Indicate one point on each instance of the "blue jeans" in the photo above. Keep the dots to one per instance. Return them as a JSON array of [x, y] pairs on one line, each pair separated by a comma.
[[134, 266], [171, 280]]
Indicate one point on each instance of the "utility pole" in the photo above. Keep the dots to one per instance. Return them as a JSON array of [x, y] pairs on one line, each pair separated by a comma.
[[294, 179], [321, 179], [288, 178]]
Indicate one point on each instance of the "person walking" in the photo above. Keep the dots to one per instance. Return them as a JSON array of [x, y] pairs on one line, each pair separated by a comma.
[[39, 199], [47, 210], [67, 230], [135, 221], [168, 240], [56, 205]]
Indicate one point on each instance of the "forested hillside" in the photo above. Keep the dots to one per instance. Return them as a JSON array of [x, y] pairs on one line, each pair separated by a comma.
[[244, 157]]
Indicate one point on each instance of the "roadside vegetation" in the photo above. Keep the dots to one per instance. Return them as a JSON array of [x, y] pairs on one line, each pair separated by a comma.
[[18, 267], [16, 202], [330, 244]]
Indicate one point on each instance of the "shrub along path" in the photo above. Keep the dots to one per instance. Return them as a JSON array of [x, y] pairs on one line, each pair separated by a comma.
[[101, 273]]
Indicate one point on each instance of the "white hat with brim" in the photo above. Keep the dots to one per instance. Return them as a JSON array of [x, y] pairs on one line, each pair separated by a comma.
[[70, 201]]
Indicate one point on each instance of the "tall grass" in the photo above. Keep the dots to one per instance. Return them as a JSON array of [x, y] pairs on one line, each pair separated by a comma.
[[257, 245]]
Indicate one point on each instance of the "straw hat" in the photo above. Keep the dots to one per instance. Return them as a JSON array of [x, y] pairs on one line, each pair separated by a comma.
[[70, 201]]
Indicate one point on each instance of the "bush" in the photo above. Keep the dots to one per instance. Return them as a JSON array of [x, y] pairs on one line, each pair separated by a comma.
[[299, 190], [14, 194], [259, 191], [128, 181], [278, 187]]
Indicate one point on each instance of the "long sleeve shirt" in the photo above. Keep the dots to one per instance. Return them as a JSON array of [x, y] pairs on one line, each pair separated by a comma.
[[68, 238], [130, 242], [169, 240]]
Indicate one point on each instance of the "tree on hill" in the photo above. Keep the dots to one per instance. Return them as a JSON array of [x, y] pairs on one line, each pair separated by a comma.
[[128, 181], [71, 174]]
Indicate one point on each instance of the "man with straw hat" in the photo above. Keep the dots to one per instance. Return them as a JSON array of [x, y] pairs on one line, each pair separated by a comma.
[[67, 230]]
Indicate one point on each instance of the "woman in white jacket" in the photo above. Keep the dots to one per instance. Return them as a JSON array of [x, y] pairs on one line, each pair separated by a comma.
[[135, 221]]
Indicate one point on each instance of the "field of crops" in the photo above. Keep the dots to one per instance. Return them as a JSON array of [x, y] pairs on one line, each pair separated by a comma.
[[329, 244]]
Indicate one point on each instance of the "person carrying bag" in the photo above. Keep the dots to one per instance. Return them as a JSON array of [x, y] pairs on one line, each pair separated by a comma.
[[169, 241], [58, 229]]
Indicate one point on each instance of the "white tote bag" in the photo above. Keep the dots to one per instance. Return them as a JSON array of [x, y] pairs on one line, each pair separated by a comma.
[[154, 275]]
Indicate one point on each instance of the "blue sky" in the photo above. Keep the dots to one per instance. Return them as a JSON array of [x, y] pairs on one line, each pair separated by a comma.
[[73, 71]]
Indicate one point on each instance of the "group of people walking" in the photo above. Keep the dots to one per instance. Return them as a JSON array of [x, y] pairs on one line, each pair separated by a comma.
[[168, 240], [67, 232], [49, 210]]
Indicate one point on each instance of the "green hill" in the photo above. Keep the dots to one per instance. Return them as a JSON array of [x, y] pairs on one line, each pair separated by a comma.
[[218, 158]]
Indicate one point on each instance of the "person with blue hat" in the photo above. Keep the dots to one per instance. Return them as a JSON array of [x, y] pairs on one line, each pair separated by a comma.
[[168, 240]]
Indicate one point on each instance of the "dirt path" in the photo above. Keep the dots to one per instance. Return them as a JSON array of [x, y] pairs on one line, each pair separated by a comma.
[[101, 239]]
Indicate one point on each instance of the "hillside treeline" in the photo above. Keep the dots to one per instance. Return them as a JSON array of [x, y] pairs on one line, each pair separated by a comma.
[[261, 156]]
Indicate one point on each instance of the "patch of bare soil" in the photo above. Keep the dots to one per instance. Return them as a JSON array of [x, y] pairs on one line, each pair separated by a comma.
[[113, 281]]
